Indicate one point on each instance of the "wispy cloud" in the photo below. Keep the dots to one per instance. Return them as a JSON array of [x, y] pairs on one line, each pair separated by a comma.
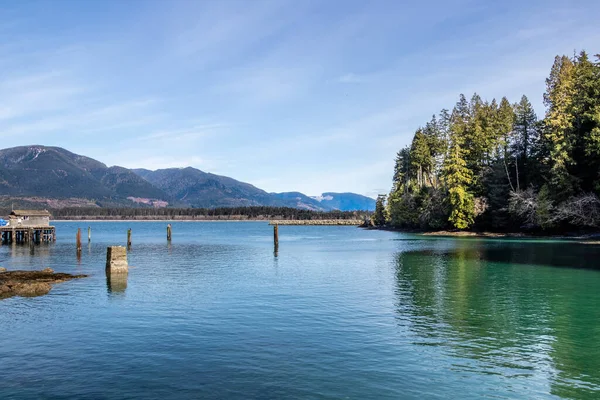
[[350, 78], [193, 132]]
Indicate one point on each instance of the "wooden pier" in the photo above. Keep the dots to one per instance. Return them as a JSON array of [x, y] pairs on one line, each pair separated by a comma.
[[27, 234], [28, 226]]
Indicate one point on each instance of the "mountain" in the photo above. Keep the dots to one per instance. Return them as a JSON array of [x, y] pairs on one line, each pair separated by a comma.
[[53, 172], [345, 201], [201, 189], [55, 177], [299, 200]]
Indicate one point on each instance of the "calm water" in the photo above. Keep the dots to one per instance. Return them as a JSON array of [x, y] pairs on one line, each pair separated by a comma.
[[339, 313]]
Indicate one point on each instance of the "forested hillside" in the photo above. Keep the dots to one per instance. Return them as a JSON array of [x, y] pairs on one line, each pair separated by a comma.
[[494, 165], [234, 213]]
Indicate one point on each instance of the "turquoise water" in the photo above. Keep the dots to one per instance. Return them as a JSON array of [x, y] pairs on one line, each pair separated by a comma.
[[339, 312]]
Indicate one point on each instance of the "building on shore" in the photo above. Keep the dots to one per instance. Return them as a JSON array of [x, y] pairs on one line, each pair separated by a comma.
[[29, 218], [28, 226]]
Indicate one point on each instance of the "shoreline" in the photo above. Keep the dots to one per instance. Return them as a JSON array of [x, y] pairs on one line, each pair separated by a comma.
[[321, 222], [158, 220], [590, 238], [324, 222]]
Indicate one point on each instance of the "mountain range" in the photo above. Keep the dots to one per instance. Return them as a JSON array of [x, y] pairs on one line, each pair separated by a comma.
[[56, 177]]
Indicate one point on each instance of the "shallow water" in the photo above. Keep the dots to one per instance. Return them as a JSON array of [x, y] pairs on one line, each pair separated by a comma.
[[339, 312]]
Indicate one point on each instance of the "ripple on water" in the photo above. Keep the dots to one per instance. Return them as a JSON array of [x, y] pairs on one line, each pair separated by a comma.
[[339, 313]]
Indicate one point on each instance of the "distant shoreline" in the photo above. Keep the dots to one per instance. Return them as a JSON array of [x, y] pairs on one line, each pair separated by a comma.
[[332, 222], [324, 222], [157, 220]]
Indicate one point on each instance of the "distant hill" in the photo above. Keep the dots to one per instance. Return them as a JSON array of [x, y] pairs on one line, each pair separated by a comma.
[[299, 200], [345, 201], [201, 189], [42, 176], [54, 172]]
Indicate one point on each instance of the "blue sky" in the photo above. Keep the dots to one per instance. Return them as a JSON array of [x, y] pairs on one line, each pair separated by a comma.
[[287, 95]]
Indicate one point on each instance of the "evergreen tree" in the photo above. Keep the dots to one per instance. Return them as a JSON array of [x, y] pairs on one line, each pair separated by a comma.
[[586, 122], [525, 140], [401, 170], [379, 217], [457, 178], [421, 160], [558, 126]]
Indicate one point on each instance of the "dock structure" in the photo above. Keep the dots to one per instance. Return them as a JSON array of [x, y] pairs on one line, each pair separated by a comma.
[[28, 226]]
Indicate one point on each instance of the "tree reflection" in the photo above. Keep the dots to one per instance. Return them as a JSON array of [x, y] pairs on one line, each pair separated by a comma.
[[513, 318]]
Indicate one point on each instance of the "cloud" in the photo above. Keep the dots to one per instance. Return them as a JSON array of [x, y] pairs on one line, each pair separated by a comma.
[[350, 78], [192, 132]]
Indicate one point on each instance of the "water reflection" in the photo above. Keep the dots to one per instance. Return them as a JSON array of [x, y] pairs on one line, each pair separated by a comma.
[[116, 283], [40, 251], [482, 304], [570, 255]]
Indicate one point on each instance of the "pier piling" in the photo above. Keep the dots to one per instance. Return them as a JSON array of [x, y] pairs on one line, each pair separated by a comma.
[[89, 234], [169, 232], [78, 239], [116, 260], [129, 238], [276, 236]]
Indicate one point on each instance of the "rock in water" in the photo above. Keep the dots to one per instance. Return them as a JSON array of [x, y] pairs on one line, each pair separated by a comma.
[[31, 283]]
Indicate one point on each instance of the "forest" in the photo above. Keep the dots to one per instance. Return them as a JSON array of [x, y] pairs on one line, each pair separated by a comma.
[[493, 165], [230, 213]]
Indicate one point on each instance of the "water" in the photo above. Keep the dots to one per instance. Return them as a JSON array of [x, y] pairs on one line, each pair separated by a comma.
[[339, 313]]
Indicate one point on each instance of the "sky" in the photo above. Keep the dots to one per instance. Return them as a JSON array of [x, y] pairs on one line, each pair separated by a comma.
[[298, 95]]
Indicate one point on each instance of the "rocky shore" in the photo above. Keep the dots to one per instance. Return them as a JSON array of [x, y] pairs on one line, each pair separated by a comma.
[[352, 222], [30, 283]]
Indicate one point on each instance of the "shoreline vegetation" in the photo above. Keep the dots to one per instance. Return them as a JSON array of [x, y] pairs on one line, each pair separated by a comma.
[[493, 166], [257, 213]]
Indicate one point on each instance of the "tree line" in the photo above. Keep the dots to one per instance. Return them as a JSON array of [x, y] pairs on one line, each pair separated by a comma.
[[256, 212], [494, 165]]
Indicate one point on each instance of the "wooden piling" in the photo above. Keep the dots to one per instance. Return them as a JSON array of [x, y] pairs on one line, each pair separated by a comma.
[[129, 238], [169, 232], [89, 234], [276, 236], [78, 239]]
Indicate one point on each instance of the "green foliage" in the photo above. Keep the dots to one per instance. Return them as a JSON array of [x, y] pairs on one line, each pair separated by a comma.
[[458, 178], [379, 217], [494, 165], [526, 134]]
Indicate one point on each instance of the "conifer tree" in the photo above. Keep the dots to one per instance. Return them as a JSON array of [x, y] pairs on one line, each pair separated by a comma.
[[586, 122], [379, 217], [401, 170], [525, 140], [458, 178], [558, 126], [421, 160]]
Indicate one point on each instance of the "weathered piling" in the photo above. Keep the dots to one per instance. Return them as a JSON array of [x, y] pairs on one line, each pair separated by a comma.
[[116, 260], [169, 232], [129, 238], [276, 236], [31, 237], [78, 240], [89, 234]]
